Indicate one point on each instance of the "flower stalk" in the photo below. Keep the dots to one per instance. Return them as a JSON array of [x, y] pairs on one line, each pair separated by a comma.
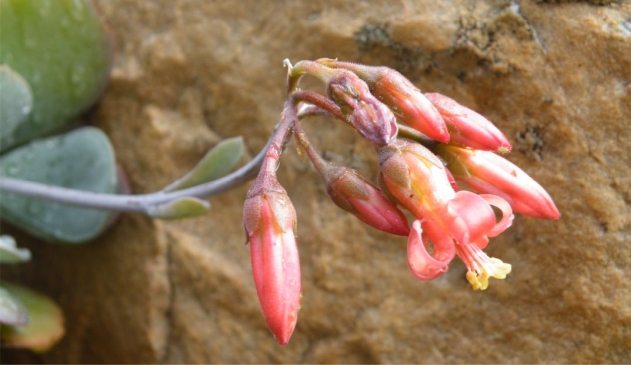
[[140, 203]]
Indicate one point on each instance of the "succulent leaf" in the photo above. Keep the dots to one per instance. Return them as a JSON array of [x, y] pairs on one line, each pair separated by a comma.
[[16, 102], [215, 164], [46, 325], [82, 159], [186, 207], [64, 53], [10, 253], [11, 309]]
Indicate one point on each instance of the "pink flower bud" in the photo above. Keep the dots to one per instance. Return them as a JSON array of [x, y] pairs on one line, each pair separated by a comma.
[[406, 101], [353, 193], [372, 119], [270, 224], [409, 105], [415, 177], [467, 127], [486, 172]]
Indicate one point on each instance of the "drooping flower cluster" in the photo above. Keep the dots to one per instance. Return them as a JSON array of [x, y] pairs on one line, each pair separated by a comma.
[[450, 144]]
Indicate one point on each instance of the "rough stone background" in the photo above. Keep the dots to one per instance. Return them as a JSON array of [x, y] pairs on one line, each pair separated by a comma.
[[554, 76]]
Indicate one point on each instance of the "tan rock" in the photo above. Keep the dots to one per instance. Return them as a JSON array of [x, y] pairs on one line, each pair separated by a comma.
[[556, 78]]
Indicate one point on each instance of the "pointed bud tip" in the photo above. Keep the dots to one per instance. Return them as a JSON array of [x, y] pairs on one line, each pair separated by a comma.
[[502, 150], [283, 336], [550, 213]]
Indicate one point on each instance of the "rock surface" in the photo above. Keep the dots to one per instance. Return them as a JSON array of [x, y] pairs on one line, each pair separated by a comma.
[[555, 77]]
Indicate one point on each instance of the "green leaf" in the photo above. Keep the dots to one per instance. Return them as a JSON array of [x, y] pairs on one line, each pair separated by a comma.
[[16, 102], [186, 207], [46, 325], [215, 164], [11, 309], [10, 253], [82, 159], [64, 53]]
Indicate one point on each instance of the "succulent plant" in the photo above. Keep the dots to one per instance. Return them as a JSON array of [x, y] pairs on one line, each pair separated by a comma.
[[54, 65]]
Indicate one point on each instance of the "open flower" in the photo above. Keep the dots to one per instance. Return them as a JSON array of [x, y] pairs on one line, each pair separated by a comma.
[[270, 224], [417, 180], [486, 172]]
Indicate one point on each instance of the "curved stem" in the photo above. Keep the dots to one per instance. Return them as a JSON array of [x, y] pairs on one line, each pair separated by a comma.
[[132, 203], [278, 140], [266, 159], [320, 101], [413, 134], [309, 110], [318, 162], [295, 72]]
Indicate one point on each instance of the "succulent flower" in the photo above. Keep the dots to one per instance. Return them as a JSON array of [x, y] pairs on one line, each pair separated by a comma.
[[353, 193], [416, 178], [270, 223], [467, 127], [410, 105]]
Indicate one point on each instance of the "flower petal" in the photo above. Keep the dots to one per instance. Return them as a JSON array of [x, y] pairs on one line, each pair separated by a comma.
[[422, 265], [474, 217], [507, 214]]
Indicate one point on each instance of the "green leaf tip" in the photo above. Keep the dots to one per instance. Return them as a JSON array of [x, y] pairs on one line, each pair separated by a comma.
[[12, 311], [186, 207], [16, 102], [10, 253], [216, 163]]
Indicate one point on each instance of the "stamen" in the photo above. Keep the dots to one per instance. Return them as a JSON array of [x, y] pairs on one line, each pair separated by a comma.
[[480, 266]]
